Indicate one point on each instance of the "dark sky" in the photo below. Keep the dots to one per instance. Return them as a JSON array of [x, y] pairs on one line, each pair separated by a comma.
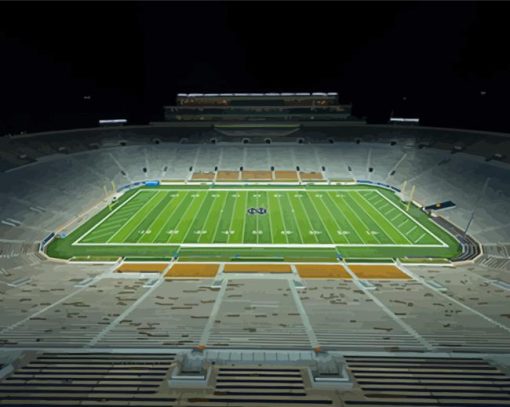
[[132, 58]]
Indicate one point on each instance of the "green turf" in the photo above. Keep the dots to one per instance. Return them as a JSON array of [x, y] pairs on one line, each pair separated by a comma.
[[200, 221]]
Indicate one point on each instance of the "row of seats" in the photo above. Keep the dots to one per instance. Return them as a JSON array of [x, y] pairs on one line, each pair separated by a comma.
[[37, 198], [135, 379]]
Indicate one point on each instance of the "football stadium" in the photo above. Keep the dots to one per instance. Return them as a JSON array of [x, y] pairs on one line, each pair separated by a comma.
[[285, 262], [257, 248]]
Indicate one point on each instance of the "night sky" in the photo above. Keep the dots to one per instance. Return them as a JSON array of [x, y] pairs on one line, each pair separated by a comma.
[[132, 58]]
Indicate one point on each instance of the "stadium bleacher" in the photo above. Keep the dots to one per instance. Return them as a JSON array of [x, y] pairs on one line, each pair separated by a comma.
[[459, 309]]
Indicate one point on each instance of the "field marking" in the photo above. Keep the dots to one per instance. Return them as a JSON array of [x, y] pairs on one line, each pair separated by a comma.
[[136, 227], [170, 217], [217, 198], [281, 215], [421, 237], [244, 219], [387, 231], [403, 223], [219, 218], [157, 218], [385, 219], [196, 215], [327, 191], [361, 220], [396, 217], [412, 229], [233, 215], [104, 232], [332, 217], [256, 217], [320, 217], [269, 217], [346, 218], [308, 218], [275, 245], [286, 196], [298, 189], [106, 217], [131, 218], [104, 235], [179, 222], [111, 214], [412, 219], [204, 224]]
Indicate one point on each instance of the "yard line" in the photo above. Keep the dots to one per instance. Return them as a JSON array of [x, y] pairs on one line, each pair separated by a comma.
[[385, 220], [412, 229], [396, 217], [107, 216], [281, 215], [391, 210], [103, 235], [184, 217], [197, 213], [413, 220], [171, 218], [107, 230], [361, 220], [377, 200], [219, 217], [345, 217], [375, 197], [132, 217], [211, 210], [375, 224], [257, 218], [403, 223], [271, 240], [149, 227], [421, 237], [146, 218], [292, 216], [233, 215], [332, 217], [245, 217], [308, 218], [318, 217]]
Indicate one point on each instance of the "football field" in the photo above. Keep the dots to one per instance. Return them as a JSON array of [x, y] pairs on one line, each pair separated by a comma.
[[258, 217]]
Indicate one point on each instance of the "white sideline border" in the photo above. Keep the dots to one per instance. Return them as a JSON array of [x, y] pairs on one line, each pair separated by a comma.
[[443, 244], [262, 245], [78, 242]]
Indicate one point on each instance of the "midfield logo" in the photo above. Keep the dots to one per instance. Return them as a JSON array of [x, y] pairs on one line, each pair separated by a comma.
[[257, 211]]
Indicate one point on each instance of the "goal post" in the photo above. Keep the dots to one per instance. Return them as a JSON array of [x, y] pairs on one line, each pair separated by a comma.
[[411, 196]]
